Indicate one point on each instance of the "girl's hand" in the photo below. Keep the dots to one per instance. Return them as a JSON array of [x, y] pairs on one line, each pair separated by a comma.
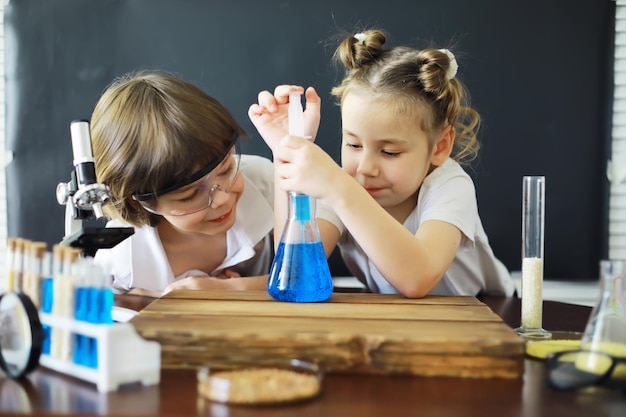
[[304, 167], [269, 115]]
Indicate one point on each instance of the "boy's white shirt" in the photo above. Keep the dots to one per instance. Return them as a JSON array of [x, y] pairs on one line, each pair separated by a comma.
[[140, 260]]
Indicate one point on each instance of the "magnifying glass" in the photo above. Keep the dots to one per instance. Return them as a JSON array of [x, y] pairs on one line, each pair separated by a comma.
[[21, 334]]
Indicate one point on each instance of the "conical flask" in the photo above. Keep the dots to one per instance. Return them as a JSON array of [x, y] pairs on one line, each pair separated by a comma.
[[606, 328], [300, 270]]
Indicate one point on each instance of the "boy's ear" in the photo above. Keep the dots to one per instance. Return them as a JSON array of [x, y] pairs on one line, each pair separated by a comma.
[[443, 146]]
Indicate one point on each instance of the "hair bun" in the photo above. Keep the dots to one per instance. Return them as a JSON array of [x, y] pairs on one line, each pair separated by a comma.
[[453, 66], [360, 37]]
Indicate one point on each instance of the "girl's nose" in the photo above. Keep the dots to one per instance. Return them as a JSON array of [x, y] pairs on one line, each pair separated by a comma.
[[367, 166]]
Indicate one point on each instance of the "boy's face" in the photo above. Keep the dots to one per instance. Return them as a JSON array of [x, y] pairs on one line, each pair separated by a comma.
[[386, 152], [195, 193], [217, 218]]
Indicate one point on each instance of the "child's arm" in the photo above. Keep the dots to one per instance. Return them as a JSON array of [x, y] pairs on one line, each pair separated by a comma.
[[413, 264], [216, 283], [269, 116]]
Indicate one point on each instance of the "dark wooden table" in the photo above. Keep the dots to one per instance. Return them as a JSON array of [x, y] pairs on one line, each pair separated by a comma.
[[47, 392]]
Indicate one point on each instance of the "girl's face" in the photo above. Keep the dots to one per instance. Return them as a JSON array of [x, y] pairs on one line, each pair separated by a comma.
[[215, 219], [386, 152]]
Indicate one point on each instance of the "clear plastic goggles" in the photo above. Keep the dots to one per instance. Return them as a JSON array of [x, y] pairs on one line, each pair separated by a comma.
[[195, 196], [582, 368]]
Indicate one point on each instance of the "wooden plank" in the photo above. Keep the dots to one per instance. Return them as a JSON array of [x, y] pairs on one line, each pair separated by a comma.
[[363, 333], [323, 310], [360, 298], [414, 336]]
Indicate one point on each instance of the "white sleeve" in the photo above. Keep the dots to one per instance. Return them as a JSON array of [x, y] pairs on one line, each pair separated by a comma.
[[260, 171], [451, 199], [325, 212], [117, 261]]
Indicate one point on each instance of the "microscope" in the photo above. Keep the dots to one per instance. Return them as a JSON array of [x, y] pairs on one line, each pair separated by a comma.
[[84, 198]]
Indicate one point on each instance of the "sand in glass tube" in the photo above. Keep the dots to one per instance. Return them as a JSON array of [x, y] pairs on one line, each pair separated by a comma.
[[533, 211]]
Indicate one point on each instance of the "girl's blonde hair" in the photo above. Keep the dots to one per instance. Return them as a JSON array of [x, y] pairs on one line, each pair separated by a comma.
[[150, 130], [422, 80]]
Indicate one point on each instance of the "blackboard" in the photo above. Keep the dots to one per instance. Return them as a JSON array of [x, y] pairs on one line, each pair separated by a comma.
[[539, 72]]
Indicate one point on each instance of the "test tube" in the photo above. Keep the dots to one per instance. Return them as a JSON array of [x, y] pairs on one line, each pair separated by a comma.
[[533, 213], [9, 279], [18, 264]]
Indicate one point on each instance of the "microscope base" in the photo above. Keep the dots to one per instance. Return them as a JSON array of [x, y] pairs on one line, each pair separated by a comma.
[[90, 239]]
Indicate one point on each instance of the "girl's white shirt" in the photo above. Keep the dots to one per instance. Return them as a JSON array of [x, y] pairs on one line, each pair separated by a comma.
[[447, 194], [140, 261]]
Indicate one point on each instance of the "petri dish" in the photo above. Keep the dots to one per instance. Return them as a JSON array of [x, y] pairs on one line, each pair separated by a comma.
[[559, 341], [259, 382]]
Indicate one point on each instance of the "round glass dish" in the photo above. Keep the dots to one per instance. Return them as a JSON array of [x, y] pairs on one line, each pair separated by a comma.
[[269, 381]]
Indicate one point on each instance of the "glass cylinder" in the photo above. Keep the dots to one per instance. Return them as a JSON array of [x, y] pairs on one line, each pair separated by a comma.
[[533, 214], [300, 271]]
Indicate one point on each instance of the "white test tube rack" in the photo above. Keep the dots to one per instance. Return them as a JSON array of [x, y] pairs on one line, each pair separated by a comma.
[[123, 356]]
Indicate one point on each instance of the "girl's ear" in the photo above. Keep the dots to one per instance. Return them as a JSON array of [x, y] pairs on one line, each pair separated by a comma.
[[443, 146]]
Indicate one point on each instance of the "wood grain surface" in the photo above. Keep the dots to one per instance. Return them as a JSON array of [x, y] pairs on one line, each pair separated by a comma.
[[349, 333]]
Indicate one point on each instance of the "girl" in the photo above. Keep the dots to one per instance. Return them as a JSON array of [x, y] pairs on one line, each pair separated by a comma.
[[408, 217], [201, 212]]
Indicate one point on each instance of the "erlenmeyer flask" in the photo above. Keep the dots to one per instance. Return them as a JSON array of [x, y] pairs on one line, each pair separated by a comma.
[[606, 328], [300, 270]]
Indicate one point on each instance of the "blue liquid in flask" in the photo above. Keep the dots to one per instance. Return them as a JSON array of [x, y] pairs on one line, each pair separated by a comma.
[[300, 270]]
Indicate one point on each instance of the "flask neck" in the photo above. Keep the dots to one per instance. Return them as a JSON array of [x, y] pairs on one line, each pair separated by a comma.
[[301, 207], [613, 288]]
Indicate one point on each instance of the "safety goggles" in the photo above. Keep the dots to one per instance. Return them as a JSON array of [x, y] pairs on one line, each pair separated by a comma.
[[583, 368], [195, 193]]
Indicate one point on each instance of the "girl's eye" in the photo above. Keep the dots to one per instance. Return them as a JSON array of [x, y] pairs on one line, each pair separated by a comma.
[[353, 145], [390, 153]]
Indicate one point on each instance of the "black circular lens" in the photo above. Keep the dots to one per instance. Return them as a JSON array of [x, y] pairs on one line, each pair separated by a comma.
[[577, 369], [21, 334]]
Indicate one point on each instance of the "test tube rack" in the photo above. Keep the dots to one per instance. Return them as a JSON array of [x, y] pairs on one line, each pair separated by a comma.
[[123, 356]]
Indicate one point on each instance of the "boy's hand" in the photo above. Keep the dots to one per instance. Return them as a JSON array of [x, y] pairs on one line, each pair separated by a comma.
[[204, 282], [269, 115]]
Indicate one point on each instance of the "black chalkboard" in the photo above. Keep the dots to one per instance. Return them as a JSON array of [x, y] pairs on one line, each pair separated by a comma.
[[538, 71]]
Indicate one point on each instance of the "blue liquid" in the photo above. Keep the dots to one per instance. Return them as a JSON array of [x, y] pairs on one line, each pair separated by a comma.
[[301, 204], [46, 307], [47, 295], [300, 273]]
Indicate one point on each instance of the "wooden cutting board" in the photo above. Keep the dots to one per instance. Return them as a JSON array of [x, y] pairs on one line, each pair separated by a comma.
[[362, 333]]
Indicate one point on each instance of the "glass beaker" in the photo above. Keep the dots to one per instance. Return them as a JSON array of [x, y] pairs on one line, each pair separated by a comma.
[[600, 358], [300, 271], [533, 213], [606, 328]]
